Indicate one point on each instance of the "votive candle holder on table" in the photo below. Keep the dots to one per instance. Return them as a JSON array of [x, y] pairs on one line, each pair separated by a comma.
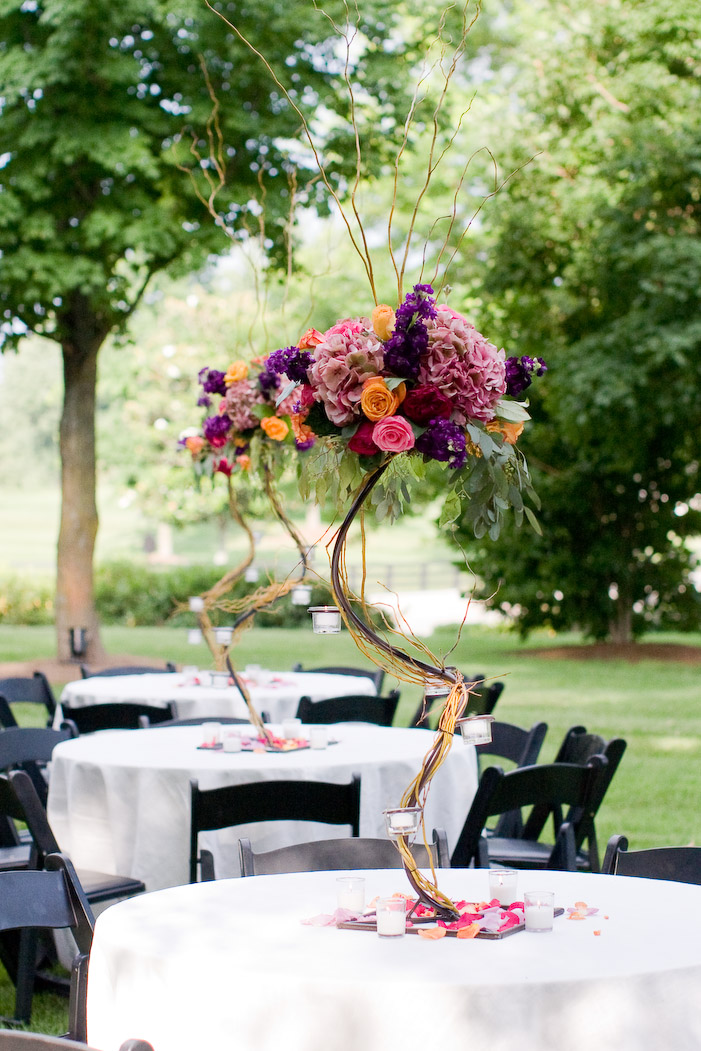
[[539, 910], [503, 885], [350, 893], [391, 917]]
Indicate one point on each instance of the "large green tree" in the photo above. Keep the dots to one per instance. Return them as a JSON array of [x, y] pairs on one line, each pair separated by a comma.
[[101, 107], [595, 264]]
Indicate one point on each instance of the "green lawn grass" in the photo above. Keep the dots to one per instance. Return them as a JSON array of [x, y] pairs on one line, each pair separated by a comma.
[[654, 704]]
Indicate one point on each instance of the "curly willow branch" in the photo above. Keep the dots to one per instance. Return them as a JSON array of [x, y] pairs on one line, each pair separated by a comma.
[[411, 669]]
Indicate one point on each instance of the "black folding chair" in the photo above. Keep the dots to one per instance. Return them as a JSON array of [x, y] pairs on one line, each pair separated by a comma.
[[231, 805], [30, 749], [355, 708], [127, 669], [33, 900], [34, 689], [520, 747], [564, 784], [115, 715], [334, 854], [681, 864], [376, 674]]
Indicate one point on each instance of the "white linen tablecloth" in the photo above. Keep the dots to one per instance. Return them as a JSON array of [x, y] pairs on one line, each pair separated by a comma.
[[276, 693], [119, 800], [230, 964]]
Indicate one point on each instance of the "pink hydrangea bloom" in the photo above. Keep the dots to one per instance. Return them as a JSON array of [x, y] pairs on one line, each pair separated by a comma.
[[464, 366], [350, 354], [240, 399]]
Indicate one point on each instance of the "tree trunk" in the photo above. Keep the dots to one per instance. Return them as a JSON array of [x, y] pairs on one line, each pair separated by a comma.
[[621, 625], [75, 603]]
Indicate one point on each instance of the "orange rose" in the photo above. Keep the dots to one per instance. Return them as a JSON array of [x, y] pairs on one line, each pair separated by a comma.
[[244, 461], [311, 338], [238, 370], [511, 431], [195, 444], [301, 431], [383, 321], [275, 428], [377, 400]]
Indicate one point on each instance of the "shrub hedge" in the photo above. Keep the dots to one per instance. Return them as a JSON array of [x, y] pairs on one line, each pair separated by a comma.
[[139, 596]]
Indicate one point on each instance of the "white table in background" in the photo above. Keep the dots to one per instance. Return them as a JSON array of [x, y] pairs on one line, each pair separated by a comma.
[[230, 964], [276, 693], [119, 800]]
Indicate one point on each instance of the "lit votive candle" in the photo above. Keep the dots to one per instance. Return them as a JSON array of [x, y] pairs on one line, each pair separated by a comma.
[[291, 728], [211, 734], [503, 884], [232, 743], [318, 737], [391, 917], [350, 893], [539, 907]]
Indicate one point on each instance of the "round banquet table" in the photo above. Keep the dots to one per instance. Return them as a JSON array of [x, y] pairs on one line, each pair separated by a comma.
[[119, 800], [230, 964], [276, 693]]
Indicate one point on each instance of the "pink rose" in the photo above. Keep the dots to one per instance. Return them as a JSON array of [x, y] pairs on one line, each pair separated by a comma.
[[394, 434]]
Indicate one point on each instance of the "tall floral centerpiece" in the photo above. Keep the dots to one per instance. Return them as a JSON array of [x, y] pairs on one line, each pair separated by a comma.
[[381, 399]]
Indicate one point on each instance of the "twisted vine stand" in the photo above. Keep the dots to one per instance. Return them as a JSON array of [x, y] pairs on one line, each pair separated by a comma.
[[408, 669]]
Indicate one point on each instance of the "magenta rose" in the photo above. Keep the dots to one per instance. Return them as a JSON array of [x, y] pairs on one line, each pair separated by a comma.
[[425, 403], [361, 442], [393, 434]]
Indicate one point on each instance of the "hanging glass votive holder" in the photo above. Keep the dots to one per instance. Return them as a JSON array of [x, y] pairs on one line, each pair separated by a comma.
[[194, 636], [251, 575], [223, 636], [326, 620], [301, 594], [476, 729], [196, 604], [403, 822]]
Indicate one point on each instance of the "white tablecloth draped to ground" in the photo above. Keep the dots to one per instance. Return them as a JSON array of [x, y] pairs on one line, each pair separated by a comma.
[[230, 964], [276, 693], [119, 800]]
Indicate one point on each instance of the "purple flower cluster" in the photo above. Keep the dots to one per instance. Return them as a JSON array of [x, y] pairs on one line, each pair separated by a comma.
[[215, 430], [445, 441], [212, 381], [521, 371], [409, 340], [290, 361], [302, 446]]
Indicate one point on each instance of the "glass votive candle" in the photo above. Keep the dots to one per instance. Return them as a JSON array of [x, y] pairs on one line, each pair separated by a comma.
[[539, 909], [391, 917], [350, 893], [232, 743], [222, 636], [251, 575], [220, 679], [196, 604], [403, 821], [326, 620], [194, 636], [503, 884], [211, 734], [189, 672], [476, 729], [301, 595], [291, 728], [253, 672], [318, 737]]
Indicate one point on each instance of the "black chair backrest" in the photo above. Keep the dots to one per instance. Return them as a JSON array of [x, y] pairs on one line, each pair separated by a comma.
[[230, 805], [117, 715], [355, 708], [482, 701], [225, 720], [29, 689], [376, 674], [519, 746], [681, 864], [33, 900], [565, 784], [334, 854], [127, 669], [7, 718], [30, 749]]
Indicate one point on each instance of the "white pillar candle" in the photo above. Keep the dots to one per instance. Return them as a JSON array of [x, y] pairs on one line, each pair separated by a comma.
[[539, 910], [503, 885], [391, 917], [350, 893]]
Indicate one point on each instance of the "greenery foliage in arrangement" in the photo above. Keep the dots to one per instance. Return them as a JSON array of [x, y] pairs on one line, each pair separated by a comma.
[[594, 252]]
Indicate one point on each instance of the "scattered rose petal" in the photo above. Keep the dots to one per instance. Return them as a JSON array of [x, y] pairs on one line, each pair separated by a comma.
[[597, 933], [432, 933], [469, 932]]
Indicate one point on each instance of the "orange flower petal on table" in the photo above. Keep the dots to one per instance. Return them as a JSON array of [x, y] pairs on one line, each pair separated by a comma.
[[597, 933], [469, 932], [581, 905], [432, 934]]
